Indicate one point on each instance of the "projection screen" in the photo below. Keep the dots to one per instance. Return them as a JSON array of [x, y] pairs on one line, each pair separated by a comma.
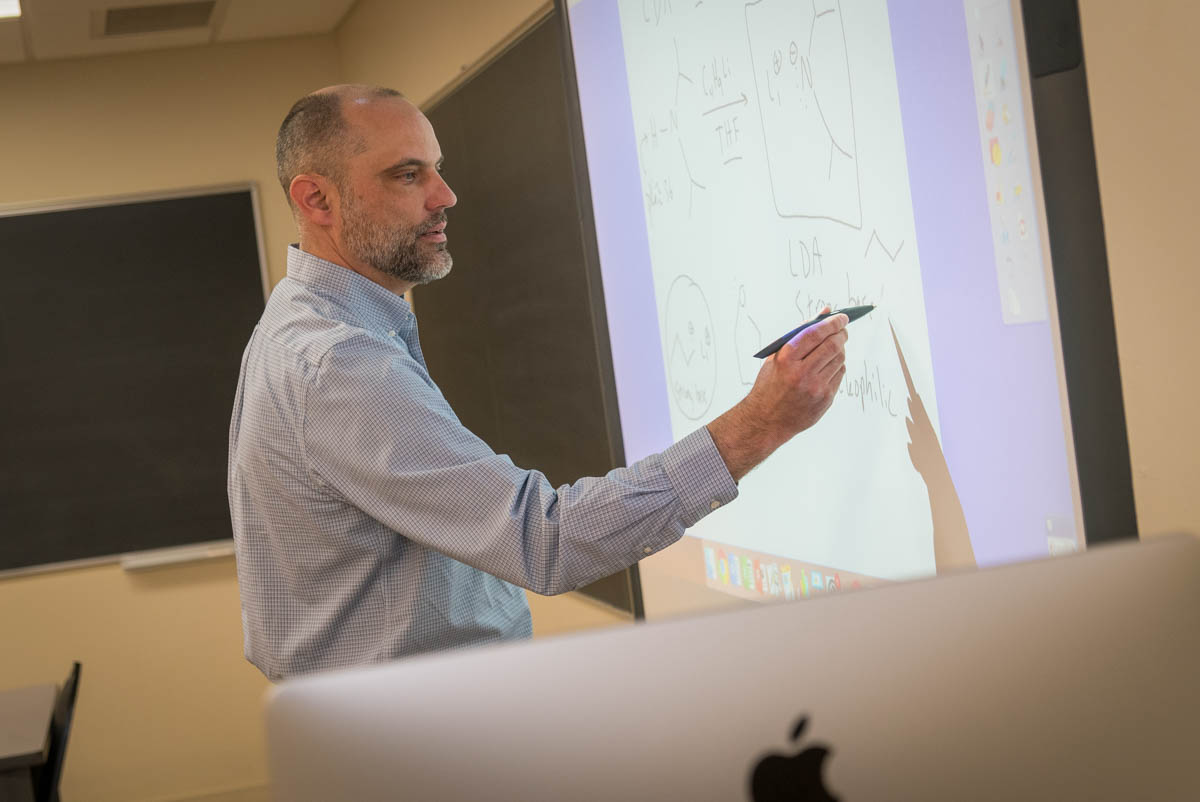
[[751, 163]]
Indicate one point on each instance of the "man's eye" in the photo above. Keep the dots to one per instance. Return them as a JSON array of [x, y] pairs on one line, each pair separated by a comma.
[[408, 176]]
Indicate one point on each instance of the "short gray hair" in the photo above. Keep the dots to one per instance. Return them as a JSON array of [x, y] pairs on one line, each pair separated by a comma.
[[315, 138]]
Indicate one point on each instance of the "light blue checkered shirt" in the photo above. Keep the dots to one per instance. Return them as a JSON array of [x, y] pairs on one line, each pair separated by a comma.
[[370, 524]]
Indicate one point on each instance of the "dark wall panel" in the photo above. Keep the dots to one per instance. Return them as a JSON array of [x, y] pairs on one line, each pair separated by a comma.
[[509, 335]]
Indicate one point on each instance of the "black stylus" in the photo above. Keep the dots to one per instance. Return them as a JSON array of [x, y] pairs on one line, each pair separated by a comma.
[[852, 312]]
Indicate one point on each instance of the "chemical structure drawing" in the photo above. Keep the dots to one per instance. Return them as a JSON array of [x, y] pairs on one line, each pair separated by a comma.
[[666, 170], [806, 104], [691, 348], [747, 339]]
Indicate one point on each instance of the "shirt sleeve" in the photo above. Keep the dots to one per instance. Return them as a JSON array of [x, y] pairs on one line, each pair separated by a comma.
[[379, 435]]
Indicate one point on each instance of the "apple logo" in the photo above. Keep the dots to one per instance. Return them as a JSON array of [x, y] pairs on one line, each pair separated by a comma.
[[791, 778]]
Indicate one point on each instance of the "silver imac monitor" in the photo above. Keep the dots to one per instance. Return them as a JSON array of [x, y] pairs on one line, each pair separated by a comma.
[[1070, 678]]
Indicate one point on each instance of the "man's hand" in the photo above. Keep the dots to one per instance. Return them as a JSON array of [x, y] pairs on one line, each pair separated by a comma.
[[793, 389]]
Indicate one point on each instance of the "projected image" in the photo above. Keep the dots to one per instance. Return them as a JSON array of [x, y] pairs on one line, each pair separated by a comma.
[[774, 182], [753, 161]]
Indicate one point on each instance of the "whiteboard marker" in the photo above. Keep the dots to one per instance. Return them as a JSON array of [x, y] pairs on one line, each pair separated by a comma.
[[852, 312]]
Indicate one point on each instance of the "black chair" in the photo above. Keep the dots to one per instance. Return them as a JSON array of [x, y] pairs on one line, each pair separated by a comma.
[[46, 781]]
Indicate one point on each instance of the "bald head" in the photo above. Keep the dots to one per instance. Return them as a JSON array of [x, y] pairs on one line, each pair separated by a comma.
[[316, 136]]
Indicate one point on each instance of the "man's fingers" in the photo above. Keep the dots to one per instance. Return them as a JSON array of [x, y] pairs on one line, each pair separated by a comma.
[[826, 359], [827, 350], [803, 343], [838, 362], [836, 381]]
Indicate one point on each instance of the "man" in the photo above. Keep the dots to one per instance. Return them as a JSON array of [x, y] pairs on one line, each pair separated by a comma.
[[369, 523]]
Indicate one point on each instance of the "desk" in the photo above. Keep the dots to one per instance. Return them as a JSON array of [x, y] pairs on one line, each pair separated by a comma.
[[25, 715]]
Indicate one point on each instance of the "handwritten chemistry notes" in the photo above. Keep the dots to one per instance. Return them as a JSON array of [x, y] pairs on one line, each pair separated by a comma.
[[774, 182]]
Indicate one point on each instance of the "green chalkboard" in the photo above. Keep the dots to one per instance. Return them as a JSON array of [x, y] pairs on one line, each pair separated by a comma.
[[121, 332]]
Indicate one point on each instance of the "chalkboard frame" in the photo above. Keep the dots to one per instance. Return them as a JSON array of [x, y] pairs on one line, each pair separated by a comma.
[[591, 264], [146, 558]]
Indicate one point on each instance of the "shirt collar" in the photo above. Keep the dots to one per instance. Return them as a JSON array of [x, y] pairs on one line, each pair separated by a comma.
[[364, 301]]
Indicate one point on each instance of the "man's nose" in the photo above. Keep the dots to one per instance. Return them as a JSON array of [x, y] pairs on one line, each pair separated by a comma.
[[443, 197]]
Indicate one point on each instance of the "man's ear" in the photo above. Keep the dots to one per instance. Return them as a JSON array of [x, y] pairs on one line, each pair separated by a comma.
[[314, 198]]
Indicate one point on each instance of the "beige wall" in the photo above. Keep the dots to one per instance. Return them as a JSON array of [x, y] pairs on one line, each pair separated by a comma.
[[1144, 85], [168, 709]]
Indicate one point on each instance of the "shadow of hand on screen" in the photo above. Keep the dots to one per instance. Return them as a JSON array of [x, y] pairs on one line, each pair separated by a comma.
[[951, 542]]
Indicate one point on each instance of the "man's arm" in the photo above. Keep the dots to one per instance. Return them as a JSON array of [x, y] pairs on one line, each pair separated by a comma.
[[793, 389], [380, 437]]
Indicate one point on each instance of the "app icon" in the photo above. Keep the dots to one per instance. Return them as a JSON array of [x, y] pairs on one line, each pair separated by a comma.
[[747, 573], [774, 585], [722, 567], [803, 582], [995, 149], [710, 563], [816, 580], [735, 570], [789, 591]]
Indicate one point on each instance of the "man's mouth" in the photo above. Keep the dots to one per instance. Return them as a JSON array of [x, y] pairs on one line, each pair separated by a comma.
[[435, 233]]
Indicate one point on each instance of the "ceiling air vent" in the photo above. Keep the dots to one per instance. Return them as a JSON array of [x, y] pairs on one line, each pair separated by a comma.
[[157, 18]]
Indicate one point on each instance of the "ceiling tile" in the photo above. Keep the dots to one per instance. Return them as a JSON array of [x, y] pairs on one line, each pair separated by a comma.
[[262, 19]]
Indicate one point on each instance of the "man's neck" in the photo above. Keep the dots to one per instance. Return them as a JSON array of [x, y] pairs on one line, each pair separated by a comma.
[[325, 248]]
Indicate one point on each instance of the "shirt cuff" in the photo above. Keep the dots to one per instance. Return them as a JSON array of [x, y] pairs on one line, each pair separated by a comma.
[[699, 476]]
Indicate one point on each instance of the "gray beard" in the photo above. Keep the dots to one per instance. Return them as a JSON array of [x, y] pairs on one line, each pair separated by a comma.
[[396, 252]]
